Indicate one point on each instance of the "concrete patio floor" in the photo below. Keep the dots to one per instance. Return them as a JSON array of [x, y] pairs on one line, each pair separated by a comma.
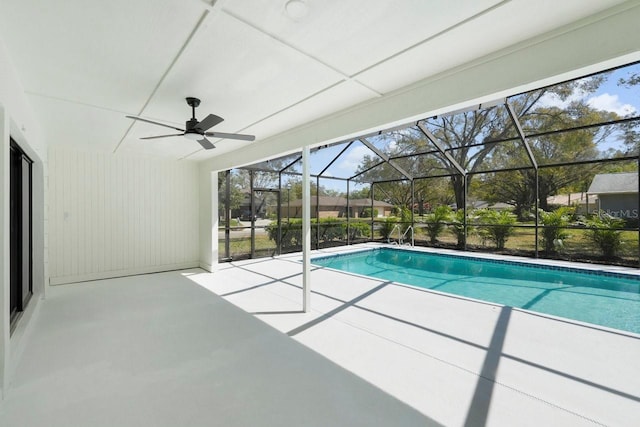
[[458, 361], [233, 348]]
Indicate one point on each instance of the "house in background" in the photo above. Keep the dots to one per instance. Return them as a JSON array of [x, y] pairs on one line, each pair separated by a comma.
[[617, 194], [584, 203], [243, 212], [482, 204], [337, 207]]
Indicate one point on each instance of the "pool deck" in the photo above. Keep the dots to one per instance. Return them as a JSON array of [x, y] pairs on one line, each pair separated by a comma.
[[233, 348], [460, 362]]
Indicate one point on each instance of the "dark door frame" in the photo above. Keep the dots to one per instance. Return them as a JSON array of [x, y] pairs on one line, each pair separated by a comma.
[[21, 231]]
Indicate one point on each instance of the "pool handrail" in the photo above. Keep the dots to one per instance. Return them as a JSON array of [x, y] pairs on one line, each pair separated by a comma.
[[405, 235], [397, 226], [401, 237]]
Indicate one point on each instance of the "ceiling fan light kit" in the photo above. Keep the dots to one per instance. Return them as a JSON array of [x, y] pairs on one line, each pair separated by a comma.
[[195, 130], [193, 136]]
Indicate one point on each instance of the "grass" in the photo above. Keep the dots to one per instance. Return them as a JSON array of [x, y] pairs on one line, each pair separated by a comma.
[[240, 247], [576, 246], [233, 223]]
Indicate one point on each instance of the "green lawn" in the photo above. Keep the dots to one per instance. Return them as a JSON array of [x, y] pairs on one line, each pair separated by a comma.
[[577, 245], [241, 246]]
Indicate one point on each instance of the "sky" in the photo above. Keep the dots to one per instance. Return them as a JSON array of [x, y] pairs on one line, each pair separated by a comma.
[[610, 96]]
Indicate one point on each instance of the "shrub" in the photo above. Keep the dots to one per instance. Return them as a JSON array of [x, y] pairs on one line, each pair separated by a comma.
[[604, 232], [366, 213], [553, 222], [457, 227], [497, 226], [387, 227], [359, 229], [406, 217], [291, 233], [436, 221], [332, 229]]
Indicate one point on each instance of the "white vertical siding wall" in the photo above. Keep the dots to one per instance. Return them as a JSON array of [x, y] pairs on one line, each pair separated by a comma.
[[113, 215]]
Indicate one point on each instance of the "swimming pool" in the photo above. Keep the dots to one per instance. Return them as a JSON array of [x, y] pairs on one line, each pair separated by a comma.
[[601, 298]]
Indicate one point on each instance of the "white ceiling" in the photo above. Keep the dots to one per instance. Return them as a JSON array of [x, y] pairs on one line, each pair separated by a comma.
[[86, 64]]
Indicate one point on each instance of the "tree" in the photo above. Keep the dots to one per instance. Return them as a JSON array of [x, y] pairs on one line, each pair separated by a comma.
[[294, 189], [363, 193], [632, 80], [396, 193], [517, 187], [236, 192], [471, 138], [396, 188]]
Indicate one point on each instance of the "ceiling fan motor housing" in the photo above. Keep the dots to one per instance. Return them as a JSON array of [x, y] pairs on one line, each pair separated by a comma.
[[190, 125], [191, 132], [197, 130]]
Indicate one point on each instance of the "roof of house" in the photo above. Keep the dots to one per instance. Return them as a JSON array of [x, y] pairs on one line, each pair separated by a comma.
[[481, 204], [567, 199], [606, 183], [341, 201]]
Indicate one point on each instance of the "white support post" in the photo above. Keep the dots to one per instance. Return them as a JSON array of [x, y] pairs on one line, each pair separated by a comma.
[[208, 219], [306, 232]]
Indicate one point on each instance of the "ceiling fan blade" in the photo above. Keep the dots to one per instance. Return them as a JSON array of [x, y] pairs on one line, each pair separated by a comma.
[[206, 144], [154, 123], [208, 122], [162, 136], [231, 136]]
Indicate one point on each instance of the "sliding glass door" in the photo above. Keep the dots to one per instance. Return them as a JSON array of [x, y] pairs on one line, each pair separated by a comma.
[[21, 229]]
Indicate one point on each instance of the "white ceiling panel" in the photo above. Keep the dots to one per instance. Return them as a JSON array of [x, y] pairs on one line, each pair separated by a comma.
[[222, 146], [77, 125], [509, 24], [110, 53], [328, 102], [239, 74], [176, 147], [356, 34]]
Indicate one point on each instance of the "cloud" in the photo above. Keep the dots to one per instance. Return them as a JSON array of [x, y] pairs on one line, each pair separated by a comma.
[[550, 100], [603, 102], [611, 103], [353, 158]]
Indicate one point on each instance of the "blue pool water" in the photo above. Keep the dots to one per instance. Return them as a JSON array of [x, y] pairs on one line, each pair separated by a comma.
[[607, 299]]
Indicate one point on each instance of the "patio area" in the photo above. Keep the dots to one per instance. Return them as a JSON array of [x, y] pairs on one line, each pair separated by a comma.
[[458, 361], [233, 348]]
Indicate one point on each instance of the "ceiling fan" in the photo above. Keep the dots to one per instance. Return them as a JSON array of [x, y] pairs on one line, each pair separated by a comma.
[[195, 130]]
